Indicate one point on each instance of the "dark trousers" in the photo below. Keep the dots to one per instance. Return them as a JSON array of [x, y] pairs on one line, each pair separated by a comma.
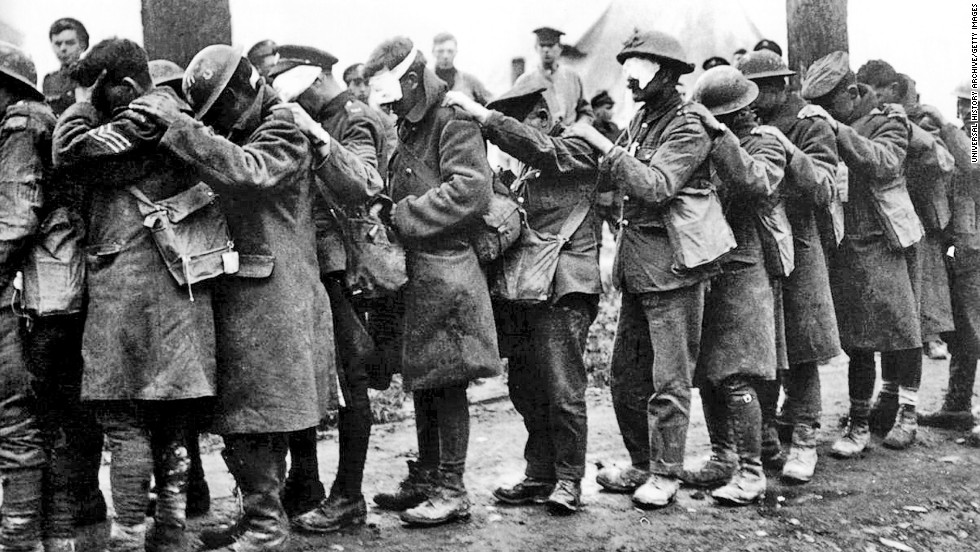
[[132, 429], [964, 341], [442, 425], [654, 354], [547, 380], [903, 367], [802, 385], [73, 435]]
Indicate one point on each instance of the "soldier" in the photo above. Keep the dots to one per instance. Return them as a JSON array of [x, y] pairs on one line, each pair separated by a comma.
[[356, 83], [264, 55], [738, 348], [275, 346], [808, 307], [928, 173], [25, 163], [149, 351], [602, 105], [546, 342], [69, 40], [349, 169], [441, 183], [444, 50], [565, 94], [964, 341], [662, 154], [870, 276]]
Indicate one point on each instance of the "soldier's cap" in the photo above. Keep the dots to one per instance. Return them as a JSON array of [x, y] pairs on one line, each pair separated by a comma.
[[163, 71], [763, 64], [766, 44], [602, 98], [292, 55], [824, 74], [714, 61], [657, 45], [548, 36], [519, 100], [966, 90], [17, 65], [261, 49]]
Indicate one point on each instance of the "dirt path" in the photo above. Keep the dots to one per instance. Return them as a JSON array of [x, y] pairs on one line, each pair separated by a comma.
[[927, 499]]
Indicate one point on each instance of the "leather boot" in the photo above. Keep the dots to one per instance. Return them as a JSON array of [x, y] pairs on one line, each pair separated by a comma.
[[802, 461], [126, 538], [167, 538], [902, 435], [566, 498], [658, 492], [333, 514], [621, 479], [412, 491], [20, 526], [448, 502], [854, 441], [303, 490], [529, 491], [259, 467], [883, 413], [745, 421], [719, 468], [955, 413]]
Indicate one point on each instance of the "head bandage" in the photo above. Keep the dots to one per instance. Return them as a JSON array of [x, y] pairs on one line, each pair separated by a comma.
[[385, 85], [642, 70], [290, 84]]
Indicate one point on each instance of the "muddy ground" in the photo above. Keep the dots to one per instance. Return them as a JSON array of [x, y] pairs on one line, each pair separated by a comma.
[[925, 499]]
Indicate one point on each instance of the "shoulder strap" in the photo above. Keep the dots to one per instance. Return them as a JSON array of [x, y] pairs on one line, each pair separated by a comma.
[[576, 218], [146, 205]]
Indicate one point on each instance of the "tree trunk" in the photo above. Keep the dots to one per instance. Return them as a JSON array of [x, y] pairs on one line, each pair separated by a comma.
[[178, 29], [815, 29]]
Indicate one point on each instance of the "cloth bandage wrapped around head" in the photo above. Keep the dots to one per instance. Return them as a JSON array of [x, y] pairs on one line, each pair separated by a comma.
[[290, 84], [386, 86], [642, 70]]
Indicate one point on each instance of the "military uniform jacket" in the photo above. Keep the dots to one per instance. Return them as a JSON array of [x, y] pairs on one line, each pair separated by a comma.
[[871, 282], [441, 182], [929, 170], [965, 224], [460, 81], [276, 365], [59, 91], [144, 339], [565, 94], [808, 305], [349, 175], [662, 152], [565, 170], [739, 330], [25, 166]]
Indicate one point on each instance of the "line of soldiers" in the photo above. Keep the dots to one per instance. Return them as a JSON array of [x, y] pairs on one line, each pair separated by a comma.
[[744, 251]]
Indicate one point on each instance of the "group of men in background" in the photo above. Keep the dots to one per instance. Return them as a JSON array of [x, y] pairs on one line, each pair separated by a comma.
[[761, 231]]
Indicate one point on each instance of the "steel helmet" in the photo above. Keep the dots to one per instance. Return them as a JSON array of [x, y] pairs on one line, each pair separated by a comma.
[[163, 71], [208, 74], [16, 64], [658, 45], [762, 64], [724, 89]]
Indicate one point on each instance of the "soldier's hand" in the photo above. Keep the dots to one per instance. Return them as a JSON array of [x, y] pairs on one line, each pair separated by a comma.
[[933, 112], [790, 147], [588, 133], [467, 104], [894, 110], [302, 119], [708, 119], [84, 93], [812, 110], [159, 106]]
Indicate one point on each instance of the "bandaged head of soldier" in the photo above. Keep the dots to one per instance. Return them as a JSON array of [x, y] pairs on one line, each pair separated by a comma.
[[652, 64], [395, 71], [119, 70]]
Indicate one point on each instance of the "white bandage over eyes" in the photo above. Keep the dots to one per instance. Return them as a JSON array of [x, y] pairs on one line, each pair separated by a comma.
[[386, 86], [290, 84], [641, 70]]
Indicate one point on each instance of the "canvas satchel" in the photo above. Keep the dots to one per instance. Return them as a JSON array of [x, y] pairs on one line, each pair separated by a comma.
[[696, 228], [191, 233], [53, 277]]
